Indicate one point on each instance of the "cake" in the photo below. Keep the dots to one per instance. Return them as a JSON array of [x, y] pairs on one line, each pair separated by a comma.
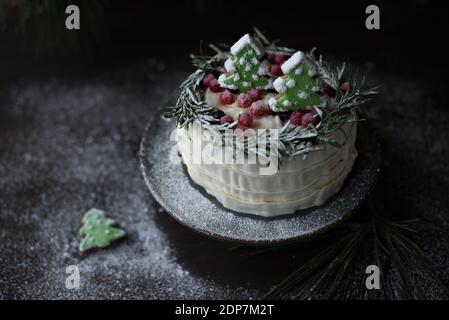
[[267, 130]]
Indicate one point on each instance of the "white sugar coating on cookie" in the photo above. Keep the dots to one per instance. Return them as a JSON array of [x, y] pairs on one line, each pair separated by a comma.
[[303, 95], [272, 104], [292, 62], [286, 103], [264, 67], [312, 72], [221, 80], [255, 77], [245, 41], [298, 71], [279, 85], [291, 83], [229, 65]]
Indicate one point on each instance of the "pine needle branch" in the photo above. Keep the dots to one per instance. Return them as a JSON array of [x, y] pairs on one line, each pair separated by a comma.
[[337, 272]]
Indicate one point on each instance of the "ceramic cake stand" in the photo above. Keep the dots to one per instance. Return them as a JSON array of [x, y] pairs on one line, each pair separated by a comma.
[[190, 204]]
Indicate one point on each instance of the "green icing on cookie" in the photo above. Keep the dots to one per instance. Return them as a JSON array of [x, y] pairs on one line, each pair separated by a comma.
[[98, 231], [245, 70], [298, 87]]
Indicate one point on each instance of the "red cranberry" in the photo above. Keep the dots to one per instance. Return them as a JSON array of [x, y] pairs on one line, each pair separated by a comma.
[[270, 57], [279, 59], [244, 100], [328, 90], [296, 118], [207, 79], [345, 87], [214, 86], [245, 120], [255, 94], [226, 97], [226, 119], [310, 117], [258, 109], [276, 70]]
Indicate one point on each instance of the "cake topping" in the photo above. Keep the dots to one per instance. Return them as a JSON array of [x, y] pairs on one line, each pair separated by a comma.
[[245, 120], [276, 70], [279, 59], [310, 117], [293, 62], [226, 97], [297, 85], [270, 57], [296, 118], [302, 82], [226, 119], [214, 86], [259, 108], [244, 100], [244, 69], [245, 42], [255, 94], [207, 79], [229, 65], [280, 85], [263, 68], [328, 90]]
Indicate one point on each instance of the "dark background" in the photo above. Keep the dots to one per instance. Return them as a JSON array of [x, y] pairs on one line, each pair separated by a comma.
[[411, 39], [74, 104]]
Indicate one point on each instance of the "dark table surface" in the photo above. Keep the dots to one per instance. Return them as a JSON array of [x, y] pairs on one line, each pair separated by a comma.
[[69, 139]]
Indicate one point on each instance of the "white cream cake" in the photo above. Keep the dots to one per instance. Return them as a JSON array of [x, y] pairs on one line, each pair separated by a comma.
[[301, 182], [310, 113]]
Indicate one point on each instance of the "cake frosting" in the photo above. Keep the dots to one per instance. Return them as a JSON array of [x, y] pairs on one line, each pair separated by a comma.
[[300, 182]]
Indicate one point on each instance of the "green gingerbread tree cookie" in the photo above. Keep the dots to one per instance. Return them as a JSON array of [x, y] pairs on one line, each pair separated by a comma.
[[244, 69], [298, 87], [98, 231]]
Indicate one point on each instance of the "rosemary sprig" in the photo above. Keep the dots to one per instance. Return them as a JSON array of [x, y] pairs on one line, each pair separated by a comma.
[[210, 63], [190, 106]]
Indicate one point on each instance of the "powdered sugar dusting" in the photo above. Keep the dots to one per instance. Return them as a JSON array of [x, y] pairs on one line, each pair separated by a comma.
[[78, 151]]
